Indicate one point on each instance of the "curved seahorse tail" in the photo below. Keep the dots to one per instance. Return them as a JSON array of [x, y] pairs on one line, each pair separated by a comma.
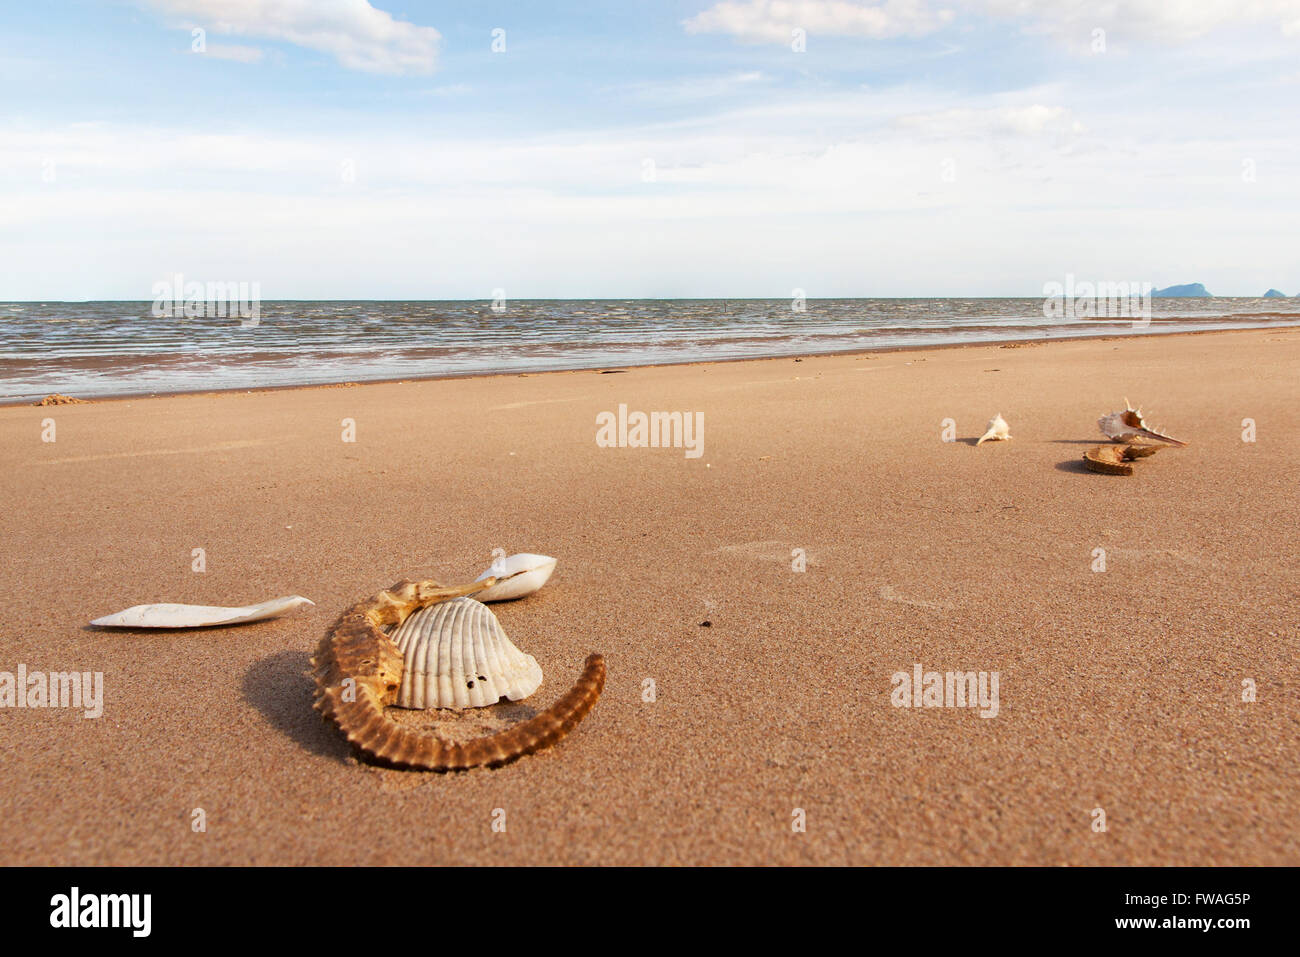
[[358, 669], [403, 747]]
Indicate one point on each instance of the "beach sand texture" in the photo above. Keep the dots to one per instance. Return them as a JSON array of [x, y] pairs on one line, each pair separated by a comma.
[[1119, 690]]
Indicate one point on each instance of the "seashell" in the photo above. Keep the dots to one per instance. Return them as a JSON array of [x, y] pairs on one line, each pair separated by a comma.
[[1128, 424], [456, 655], [199, 616], [357, 670], [998, 430], [516, 576], [1112, 460]]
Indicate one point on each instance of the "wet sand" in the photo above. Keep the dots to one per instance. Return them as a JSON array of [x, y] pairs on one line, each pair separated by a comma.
[[1119, 690]]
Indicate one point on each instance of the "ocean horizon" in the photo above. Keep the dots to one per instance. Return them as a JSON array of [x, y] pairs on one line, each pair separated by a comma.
[[107, 348]]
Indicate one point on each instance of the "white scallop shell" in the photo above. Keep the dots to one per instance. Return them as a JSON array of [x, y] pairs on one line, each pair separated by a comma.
[[199, 616], [458, 656], [518, 575]]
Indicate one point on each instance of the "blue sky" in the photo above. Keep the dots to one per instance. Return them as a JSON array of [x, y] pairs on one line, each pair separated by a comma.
[[345, 149]]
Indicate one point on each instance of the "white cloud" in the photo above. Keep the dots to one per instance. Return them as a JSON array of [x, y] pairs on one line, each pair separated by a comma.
[[449, 89], [775, 20], [900, 191], [356, 34], [235, 51], [1155, 19], [693, 88], [1008, 120], [759, 161]]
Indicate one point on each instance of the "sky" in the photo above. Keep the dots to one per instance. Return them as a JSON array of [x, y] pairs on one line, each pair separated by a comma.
[[340, 149]]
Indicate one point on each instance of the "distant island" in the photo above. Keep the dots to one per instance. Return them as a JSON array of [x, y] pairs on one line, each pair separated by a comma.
[[1187, 291], [1274, 294]]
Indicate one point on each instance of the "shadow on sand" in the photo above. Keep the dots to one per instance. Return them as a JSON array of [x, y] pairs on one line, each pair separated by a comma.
[[278, 687], [1074, 465]]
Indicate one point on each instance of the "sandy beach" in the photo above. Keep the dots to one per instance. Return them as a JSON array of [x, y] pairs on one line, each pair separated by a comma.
[[1120, 690]]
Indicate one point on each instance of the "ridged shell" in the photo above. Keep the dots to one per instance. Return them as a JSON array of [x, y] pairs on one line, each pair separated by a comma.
[[457, 655], [1113, 460]]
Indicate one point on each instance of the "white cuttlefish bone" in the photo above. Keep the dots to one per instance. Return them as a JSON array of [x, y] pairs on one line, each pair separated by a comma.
[[170, 615], [998, 431], [517, 576]]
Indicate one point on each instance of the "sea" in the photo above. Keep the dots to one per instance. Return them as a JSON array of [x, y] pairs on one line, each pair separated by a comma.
[[102, 349]]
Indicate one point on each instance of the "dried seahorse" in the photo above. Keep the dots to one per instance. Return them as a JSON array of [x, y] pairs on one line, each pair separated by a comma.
[[1113, 460], [358, 671]]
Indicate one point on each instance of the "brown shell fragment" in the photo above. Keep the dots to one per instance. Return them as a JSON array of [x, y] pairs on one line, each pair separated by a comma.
[[1114, 460], [358, 670], [1132, 452]]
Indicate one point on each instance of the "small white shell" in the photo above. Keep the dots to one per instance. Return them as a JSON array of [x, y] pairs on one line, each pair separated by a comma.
[[458, 656], [518, 575], [199, 616], [998, 430]]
